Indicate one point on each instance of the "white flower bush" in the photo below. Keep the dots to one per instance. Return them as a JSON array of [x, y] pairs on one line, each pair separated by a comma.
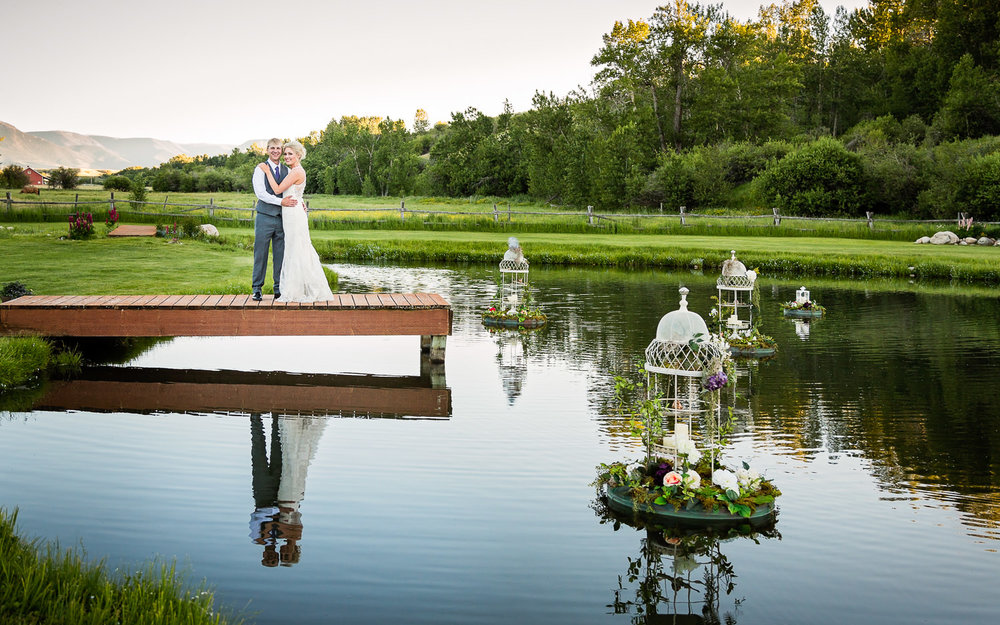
[[691, 480], [747, 478]]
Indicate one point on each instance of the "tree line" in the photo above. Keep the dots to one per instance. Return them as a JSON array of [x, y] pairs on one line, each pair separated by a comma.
[[893, 108]]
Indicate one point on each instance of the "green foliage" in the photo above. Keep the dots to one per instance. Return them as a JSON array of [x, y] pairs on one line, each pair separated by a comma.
[[821, 178], [21, 358], [971, 108], [979, 189], [47, 584], [13, 177], [137, 192], [64, 178], [14, 290], [117, 183]]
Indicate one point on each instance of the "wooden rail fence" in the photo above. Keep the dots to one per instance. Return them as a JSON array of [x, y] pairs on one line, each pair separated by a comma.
[[592, 217]]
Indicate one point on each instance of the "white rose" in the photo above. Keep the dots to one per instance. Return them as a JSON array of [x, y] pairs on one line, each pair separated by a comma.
[[725, 479], [691, 480], [748, 478]]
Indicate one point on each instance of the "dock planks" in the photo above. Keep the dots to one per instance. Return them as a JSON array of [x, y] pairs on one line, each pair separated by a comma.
[[367, 314]]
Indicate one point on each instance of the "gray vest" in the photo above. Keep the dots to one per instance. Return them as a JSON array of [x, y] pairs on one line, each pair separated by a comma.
[[272, 209]]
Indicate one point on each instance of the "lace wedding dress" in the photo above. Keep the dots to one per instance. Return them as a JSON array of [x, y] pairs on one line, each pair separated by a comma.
[[302, 277]]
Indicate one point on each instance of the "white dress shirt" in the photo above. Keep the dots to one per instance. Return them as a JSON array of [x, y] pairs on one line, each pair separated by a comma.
[[259, 181]]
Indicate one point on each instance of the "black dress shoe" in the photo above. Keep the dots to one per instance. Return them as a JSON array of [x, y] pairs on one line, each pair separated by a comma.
[[277, 293], [257, 296]]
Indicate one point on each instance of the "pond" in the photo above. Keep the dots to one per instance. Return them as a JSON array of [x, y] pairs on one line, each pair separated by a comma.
[[464, 496]]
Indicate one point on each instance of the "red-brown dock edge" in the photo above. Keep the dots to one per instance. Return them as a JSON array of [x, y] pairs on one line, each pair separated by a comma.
[[427, 315]]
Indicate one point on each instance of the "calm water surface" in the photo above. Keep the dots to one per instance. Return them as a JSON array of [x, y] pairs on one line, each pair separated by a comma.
[[878, 423]]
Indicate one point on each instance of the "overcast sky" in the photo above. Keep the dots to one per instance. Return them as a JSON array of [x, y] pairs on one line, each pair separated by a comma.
[[228, 71]]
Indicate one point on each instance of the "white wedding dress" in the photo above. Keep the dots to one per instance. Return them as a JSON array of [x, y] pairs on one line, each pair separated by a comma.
[[302, 277]]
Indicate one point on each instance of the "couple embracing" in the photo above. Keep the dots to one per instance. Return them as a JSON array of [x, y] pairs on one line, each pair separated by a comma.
[[282, 223]]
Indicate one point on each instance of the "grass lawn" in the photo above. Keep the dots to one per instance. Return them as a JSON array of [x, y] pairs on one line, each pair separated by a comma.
[[35, 254]]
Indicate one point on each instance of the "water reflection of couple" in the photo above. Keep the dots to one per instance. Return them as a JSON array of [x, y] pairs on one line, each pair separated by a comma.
[[281, 222], [279, 483]]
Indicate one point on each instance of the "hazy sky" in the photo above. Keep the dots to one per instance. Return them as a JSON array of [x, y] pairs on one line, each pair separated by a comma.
[[228, 71]]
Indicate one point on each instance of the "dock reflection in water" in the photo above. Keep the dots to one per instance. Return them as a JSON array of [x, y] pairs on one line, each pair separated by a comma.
[[148, 390]]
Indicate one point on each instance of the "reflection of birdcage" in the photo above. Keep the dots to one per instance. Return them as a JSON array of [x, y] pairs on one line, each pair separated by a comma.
[[735, 298]]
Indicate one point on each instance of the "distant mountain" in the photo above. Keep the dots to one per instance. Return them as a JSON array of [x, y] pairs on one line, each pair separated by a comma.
[[59, 148]]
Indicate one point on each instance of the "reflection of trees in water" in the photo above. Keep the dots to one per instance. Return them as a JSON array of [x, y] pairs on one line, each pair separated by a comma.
[[680, 575], [902, 378], [114, 350]]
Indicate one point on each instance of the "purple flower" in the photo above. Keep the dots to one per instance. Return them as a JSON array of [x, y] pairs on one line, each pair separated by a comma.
[[716, 381]]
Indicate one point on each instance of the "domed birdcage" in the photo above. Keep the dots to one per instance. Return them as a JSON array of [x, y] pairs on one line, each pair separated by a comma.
[[681, 346], [682, 353], [735, 297], [513, 274]]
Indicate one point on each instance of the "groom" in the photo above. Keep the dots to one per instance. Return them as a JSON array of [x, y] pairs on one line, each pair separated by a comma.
[[268, 231]]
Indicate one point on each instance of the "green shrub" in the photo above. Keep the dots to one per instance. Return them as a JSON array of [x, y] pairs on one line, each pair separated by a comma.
[[821, 178], [117, 183], [137, 192], [893, 177], [14, 290], [979, 190], [13, 177]]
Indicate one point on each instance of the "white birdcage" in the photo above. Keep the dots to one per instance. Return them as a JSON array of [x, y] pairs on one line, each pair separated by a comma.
[[676, 361], [801, 296], [513, 275], [735, 292]]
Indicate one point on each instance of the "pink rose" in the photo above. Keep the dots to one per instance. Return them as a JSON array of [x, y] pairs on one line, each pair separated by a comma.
[[672, 479]]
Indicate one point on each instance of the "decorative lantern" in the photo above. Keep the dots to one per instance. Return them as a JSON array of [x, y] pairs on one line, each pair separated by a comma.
[[802, 296]]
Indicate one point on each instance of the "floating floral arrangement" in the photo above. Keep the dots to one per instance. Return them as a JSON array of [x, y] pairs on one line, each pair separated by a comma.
[[809, 306]]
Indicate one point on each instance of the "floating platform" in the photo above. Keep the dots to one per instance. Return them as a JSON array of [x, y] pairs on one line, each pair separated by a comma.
[[498, 322], [804, 313], [620, 500]]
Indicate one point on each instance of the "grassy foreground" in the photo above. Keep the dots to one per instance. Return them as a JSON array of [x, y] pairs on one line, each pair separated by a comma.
[[45, 584]]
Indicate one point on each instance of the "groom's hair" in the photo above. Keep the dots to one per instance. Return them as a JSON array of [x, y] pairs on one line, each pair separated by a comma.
[[274, 141]]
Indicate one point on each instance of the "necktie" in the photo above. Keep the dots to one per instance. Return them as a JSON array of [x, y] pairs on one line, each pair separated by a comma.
[[277, 171]]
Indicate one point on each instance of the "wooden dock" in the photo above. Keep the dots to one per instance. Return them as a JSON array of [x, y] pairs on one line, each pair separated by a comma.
[[367, 314]]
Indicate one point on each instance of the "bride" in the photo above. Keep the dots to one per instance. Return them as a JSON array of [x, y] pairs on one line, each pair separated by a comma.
[[302, 278]]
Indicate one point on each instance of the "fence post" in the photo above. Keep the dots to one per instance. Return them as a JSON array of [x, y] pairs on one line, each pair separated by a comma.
[[402, 210], [661, 208], [76, 199], [165, 203], [777, 216], [508, 212], [683, 208], [211, 207], [8, 201], [590, 215], [111, 201], [496, 214], [871, 222]]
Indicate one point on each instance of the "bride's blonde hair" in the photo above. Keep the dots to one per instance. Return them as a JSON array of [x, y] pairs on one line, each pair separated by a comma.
[[296, 147]]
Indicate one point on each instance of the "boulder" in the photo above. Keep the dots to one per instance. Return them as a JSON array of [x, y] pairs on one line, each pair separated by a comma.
[[944, 237], [970, 240], [209, 230], [923, 240], [986, 241]]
